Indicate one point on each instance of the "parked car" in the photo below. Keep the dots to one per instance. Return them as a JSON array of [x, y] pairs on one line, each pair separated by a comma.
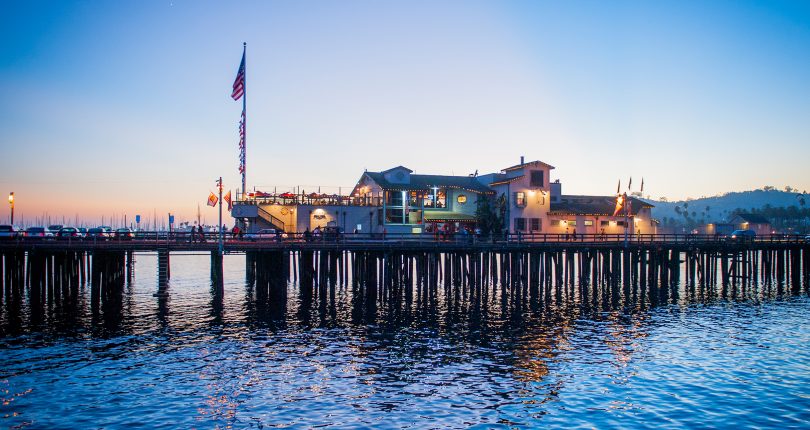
[[54, 229], [7, 232], [123, 234], [68, 233], [331, 234], [36, 233], [82, 232], [742, 235], [98, 233], [266, 234]]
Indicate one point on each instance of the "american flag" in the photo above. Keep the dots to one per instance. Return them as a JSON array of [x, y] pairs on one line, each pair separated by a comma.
[[239, 83]]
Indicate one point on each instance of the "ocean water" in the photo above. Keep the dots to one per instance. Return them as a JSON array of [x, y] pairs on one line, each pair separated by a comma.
[[193, 360]]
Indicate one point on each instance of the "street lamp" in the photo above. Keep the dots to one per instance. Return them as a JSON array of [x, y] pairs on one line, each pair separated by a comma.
[[11, 203]]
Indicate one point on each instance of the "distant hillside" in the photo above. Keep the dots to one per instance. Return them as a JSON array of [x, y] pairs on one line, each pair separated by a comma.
[[720, 208]]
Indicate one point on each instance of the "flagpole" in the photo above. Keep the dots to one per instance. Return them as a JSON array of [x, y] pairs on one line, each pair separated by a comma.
[[219, 226], [244, 111]]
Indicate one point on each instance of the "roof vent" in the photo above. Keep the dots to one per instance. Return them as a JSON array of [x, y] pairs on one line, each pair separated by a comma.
[[521, 160]]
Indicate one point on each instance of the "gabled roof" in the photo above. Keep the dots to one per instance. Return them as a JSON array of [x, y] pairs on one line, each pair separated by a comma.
[[752, 218], [398, 167], [425, 182], [501, 179], [593, 205], [520, 166]]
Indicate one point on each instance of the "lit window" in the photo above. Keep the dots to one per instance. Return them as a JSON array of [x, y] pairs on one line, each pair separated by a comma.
[[520, 199], [441, 198]]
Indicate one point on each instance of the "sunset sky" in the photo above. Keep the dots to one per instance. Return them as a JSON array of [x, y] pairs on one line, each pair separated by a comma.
[[122, 108]]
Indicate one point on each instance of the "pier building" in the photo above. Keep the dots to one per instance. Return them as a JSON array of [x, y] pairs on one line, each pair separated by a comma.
[[398, 201]]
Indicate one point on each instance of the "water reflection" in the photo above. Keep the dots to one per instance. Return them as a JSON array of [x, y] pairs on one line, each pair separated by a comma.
[[70, 306], [570, 353]]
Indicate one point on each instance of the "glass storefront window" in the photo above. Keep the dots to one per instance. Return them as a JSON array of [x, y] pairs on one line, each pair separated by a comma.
[[393, 198], [413, 199], [429, 200], [414, 216], [436, 198], [394, 216], [441, 198]]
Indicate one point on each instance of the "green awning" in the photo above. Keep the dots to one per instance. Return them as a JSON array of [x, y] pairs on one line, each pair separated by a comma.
[[448, 217]]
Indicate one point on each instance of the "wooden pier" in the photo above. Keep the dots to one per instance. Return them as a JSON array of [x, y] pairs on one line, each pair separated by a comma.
[[399, 273]]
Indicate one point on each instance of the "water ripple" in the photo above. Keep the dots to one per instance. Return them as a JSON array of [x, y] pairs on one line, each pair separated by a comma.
[[190, 362]]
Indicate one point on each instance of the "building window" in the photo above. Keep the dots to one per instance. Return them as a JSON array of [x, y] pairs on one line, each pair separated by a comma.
[[441, 198], [587, 223], [620, 223], [520, 199], [536, 179], [413, 199], [572, 223], [534, 224], [604, 223], [556, 223], [414, 216], [403, 207], [436, 198], [520, 224], [394, 216], [394, 198]]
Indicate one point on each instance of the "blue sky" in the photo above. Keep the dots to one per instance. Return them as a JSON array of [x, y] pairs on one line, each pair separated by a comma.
[[112, 108]]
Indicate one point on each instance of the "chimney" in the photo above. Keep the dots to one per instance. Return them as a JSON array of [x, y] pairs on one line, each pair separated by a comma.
[[521, 160]]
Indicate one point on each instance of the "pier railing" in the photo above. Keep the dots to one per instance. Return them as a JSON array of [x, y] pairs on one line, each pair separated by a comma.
[[144, 239]]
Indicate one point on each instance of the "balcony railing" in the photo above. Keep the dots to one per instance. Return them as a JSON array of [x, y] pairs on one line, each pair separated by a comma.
[[309, 199]]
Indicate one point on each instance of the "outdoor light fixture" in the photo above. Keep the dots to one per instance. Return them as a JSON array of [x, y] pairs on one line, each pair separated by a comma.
[[11, 203]]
